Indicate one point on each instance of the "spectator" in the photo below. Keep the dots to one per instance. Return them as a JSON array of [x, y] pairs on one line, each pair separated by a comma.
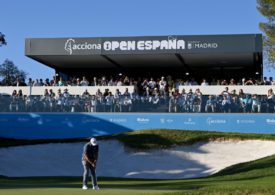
[[84, 82], [256, 104], [204, 82], [210, 104]]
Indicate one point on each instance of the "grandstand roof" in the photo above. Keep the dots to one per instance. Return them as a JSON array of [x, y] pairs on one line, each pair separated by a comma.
[[186, 52]]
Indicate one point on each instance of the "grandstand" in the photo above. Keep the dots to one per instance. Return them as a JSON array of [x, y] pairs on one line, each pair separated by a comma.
[[185, 75], [186, 57]]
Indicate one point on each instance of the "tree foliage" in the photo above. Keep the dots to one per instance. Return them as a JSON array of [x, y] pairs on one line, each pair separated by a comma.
[[10, 72], [2, 40], [267, 9]]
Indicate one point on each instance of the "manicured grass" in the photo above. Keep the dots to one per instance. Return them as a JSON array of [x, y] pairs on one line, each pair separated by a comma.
[[152, 139], [257, 177], [155, 139]]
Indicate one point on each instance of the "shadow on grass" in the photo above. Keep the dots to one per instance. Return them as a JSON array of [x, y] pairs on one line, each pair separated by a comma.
[[123, 183], [105, 183]]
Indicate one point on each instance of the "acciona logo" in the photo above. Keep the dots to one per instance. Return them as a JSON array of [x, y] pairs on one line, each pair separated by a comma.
[[71, 45], [211, 121]]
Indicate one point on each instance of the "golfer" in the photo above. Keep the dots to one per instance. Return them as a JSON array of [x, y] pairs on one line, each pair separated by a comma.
[[89, 160]]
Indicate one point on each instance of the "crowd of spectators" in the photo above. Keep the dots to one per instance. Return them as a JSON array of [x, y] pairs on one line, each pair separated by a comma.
[[150, 95], [154, 98], [123, 80]]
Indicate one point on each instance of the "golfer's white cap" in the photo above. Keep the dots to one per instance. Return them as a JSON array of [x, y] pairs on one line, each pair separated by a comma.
[[93, 141]]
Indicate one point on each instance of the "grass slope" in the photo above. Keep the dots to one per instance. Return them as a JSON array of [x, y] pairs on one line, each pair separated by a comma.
[[152, 139], [257, 177], [155, 139]]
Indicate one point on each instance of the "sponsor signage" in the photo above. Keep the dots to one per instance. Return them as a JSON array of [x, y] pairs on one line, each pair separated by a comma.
[[143, 45], [71, 45], [77, 125]]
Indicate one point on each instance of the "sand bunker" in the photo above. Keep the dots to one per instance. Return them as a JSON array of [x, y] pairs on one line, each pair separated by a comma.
[[195, 160]]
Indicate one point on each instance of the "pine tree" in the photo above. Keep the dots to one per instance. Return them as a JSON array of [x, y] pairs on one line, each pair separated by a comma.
[[10, 72], [267, 9]]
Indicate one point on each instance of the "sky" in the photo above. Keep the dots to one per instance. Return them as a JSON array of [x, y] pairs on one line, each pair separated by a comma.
[[98, 18]]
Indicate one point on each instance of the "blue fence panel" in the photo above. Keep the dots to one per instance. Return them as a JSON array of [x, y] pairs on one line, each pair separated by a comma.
[[79, 125]]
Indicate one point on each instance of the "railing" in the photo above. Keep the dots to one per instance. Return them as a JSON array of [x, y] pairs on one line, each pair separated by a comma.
[[73, 90], [217, 89], [78, 90]]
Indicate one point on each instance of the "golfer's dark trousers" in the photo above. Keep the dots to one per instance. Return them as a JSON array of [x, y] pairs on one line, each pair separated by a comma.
[[87, 166]]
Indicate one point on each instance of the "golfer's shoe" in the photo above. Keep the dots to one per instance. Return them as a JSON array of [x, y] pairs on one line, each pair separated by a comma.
[[95, 188], [84, 187]]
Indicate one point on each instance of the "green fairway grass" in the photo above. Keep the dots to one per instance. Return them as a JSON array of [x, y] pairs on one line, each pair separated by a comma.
[[256, 177]]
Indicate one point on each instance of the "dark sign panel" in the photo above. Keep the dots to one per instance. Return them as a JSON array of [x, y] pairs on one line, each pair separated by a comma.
[[144, 45]]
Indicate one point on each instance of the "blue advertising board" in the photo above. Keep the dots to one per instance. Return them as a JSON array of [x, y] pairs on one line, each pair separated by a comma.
[[80, 125]]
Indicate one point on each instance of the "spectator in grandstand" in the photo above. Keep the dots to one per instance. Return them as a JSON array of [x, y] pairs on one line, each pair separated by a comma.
[[103, 81], [243, 80], [144, 85], [224, 82], [126, 81], [93, 104], [225, 104], [61, 82], [66, 100], [94, 82], [270, 100], [249, 82], [204, 82], [235, 104], [162, 85], [41, 82], [271, 81], [210, 105], [75, 104], [246, 103], [119, 82], [36, 83], [89, 162], [111, 82], [30, 82], [126, 104], [19, 82], [109, 102], [14, 102], [100, 101], [225, 92], [232, 82], [77, 82], [241, 93], [189, 101], [59, 101], [170, 83], [126, 93], [197, 101], [152, 84], [256, 104], [85, 94], [106, 92], [155, 98], [47, 82], [84, 81], [117, 101], [213, 82], [172, 103]]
